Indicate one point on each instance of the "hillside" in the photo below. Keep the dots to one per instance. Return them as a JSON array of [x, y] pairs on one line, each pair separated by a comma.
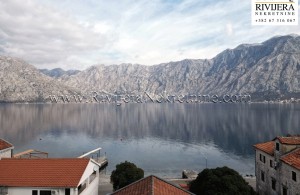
[[267, 71]]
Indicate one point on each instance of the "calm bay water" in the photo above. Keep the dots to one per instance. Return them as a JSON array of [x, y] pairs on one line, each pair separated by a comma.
[[163, 139]]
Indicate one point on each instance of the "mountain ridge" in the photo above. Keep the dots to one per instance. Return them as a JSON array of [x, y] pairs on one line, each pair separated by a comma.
[[22, 82], [267, 71]]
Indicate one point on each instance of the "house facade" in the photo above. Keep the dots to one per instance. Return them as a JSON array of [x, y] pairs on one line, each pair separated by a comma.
[[6, 149], [277, 166], [49, 176]]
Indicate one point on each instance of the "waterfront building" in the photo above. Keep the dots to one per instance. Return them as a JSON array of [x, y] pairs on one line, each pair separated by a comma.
[[49, 176], [277, 166]]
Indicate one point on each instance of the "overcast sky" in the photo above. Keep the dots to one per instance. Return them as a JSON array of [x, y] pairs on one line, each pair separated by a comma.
[[75, 34]]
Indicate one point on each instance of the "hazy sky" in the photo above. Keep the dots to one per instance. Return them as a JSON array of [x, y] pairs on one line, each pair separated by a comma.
[[74, 34]]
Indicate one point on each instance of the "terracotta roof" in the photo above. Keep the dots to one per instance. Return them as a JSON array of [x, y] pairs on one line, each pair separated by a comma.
[[4, 144], [267, 147], [293, 158], [294, 140], [48, 172], [151, 185]]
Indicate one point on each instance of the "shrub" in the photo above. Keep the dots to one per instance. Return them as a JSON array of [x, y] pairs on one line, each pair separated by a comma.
[[124, 174], [220, 181]]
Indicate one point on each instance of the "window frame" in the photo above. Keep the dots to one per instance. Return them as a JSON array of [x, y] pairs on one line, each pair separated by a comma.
[[273, 184], [284, 189], [277, 146], [34, 192], [262, 176], [45, 191], [67, 191], [271, 163], [294, 176], [262, 158]]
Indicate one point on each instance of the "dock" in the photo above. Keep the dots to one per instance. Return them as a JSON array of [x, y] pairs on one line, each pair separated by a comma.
[[31, 154], [96, 157]]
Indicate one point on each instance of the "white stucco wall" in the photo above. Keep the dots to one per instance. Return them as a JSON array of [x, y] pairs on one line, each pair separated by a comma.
[[28, 191], [6, 153], [92, 188], [88, 171]]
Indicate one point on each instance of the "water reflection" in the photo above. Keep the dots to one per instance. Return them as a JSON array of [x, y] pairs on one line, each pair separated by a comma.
[[162, 138]]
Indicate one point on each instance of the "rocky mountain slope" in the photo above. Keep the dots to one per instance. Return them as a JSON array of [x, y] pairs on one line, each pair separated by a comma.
[[269, 70], [183, 76], [22, 82]]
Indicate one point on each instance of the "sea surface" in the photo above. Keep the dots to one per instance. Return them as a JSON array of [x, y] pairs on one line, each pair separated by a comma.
[[162, 139]]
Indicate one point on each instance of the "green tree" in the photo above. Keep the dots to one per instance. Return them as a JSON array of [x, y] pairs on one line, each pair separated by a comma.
[[219, 181], [125, 173]]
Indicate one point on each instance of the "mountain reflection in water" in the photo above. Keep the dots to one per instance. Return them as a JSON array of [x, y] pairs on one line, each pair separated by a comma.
[[163, 139]]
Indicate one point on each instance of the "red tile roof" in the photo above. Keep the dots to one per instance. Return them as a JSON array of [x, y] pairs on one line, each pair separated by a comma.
[[293, 140], [151, 185], [293, 158], [267, 147], [4, 144], [42, 172]]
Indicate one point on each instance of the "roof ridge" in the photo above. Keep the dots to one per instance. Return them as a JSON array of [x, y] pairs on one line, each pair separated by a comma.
[[263, 142], [290, 152], [131, 184], [292, 158], [6, 142], [152, 184], [266, 147], [71, 158], [289, 140], [151, 177], [171, 184]]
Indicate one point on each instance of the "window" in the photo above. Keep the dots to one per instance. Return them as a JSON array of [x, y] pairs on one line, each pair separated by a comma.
[[277, 146], [45, 192], [262, 176], [273, 184], [3, 190], [67, 191], [284, 190], [34, 192], [294, 176], [93, 176], [271, 163], [81, 187], [262, 158]]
